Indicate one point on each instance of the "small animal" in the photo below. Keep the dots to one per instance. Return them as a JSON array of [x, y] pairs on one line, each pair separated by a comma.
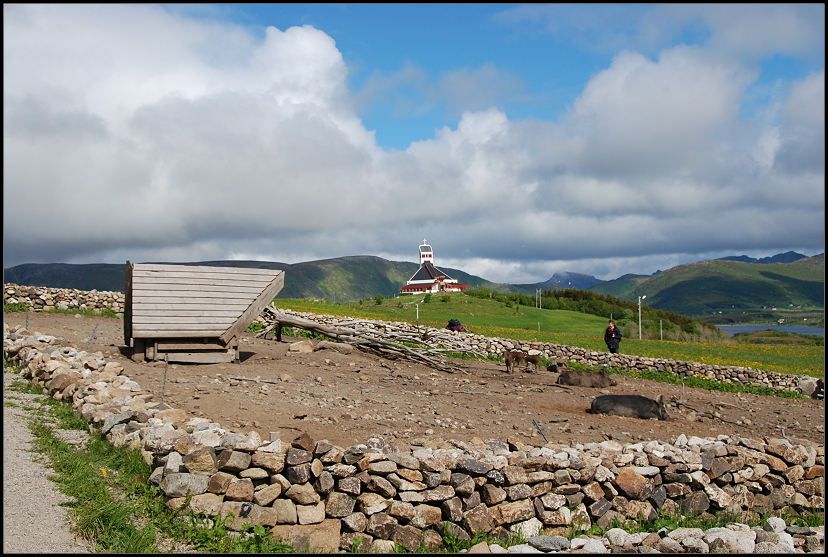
[[534, 360], [583, 378], [513, 359], [819, 391], [632, 406]]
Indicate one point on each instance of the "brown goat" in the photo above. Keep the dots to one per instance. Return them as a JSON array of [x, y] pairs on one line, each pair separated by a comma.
[[534, 360], [513, 359]]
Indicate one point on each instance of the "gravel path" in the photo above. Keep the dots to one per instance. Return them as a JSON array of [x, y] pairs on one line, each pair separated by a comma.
[[33, 520]]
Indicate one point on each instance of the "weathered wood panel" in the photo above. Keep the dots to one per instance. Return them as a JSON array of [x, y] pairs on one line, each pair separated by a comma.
[[139, 320], [150, 308], [168, 301], [256, 308], [202, 357], [140, 294], [128, 305]]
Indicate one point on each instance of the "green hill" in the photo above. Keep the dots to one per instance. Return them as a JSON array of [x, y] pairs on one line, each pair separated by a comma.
[[716, 291], [343, 278], [708, 287]]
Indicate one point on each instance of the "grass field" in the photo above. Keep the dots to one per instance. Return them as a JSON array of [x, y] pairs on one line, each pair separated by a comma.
[[494, 319]]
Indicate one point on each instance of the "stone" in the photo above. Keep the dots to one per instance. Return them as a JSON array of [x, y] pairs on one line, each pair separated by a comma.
[[219, 482], [201, 461], [302, 347], [208, 504], [452, 509], [695, 504], [382, 546], [273, 462], [381, 525], [371, 503], [303, 494], [631, 483], [182, 485], [298, 474], [356, 522], [355, 542], [240, 489], [233, 461], [285, 511], [311, 514], [478, 519], [511, 512], [425, 516], [736, 542], [322, 537], [339, 505], [266, 495], [295, 456], [549, 543]]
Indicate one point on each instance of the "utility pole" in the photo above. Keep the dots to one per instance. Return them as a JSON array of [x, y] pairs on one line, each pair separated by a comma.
[[639, 315]]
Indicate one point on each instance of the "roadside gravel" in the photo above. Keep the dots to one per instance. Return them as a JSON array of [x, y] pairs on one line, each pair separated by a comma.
[[33, 520]]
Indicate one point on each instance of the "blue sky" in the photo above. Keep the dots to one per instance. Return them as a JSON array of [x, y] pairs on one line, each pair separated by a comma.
[[520, 140]]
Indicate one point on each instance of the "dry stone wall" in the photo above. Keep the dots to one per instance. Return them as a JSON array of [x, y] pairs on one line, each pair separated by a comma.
[[39, 298], [377, 495]]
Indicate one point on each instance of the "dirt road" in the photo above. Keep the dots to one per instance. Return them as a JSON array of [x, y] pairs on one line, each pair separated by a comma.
[[349, 398]]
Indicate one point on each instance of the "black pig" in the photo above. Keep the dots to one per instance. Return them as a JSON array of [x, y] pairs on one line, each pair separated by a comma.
[[581, 378], [632, 406]]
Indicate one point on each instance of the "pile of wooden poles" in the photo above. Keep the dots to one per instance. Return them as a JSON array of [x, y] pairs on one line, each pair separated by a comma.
[[424, 345]]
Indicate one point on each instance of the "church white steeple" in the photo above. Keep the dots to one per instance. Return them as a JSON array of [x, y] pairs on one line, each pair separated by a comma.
[[426, 254]]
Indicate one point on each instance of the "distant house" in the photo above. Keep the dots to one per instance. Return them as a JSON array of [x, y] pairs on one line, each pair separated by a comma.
[[428, 278]]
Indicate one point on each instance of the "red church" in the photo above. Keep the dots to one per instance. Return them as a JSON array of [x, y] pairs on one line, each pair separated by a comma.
[[430, 279]]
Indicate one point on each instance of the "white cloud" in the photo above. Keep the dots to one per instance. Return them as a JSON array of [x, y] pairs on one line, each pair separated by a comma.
[[185, 140]]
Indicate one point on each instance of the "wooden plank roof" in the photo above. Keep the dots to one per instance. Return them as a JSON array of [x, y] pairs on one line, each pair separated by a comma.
[[172, 301]]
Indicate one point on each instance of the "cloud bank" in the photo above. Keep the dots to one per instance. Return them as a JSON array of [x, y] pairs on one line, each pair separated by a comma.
[[135, 133]]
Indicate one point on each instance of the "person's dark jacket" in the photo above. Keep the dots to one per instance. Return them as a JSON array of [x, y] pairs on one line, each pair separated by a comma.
[[612, 337]]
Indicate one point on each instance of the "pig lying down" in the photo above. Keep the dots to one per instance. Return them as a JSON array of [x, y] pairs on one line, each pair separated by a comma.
[[581, 378], [631, 406]]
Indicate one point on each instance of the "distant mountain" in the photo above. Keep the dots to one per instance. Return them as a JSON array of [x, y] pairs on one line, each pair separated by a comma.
[[787, 257], [573, 280], [695, 289], [700, 288], [351, 278]]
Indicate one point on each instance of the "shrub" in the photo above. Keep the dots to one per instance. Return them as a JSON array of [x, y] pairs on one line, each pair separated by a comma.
[[11, 308]]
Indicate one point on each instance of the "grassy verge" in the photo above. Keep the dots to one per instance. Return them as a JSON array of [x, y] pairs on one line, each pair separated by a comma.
[[114, 505]]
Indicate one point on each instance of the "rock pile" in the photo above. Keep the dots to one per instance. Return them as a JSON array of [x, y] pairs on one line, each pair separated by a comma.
[[373, 494], [39, 298]]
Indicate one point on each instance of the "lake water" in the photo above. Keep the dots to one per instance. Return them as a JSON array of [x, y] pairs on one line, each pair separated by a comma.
[[801, 329]]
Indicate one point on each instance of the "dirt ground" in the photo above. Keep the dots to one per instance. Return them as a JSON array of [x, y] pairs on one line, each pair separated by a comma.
[[347, 399]]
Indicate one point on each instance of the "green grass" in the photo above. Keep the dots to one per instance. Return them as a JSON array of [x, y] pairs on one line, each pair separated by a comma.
[[494, 319], [113, 504]]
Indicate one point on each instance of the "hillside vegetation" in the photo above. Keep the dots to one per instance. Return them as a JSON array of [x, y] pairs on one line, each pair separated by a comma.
[[735, 290], [713, 291], [493, 318]]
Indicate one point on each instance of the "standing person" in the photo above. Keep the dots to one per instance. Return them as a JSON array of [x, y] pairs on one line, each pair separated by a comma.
[[612, 336]]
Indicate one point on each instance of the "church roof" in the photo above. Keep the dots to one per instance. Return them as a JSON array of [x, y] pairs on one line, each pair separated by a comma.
[[428, 271]]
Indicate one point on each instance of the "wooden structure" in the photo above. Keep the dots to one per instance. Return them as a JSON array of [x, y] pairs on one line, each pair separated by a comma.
[[188, 313]]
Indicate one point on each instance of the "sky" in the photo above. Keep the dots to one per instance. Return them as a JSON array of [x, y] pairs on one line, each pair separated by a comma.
[[518, 140]]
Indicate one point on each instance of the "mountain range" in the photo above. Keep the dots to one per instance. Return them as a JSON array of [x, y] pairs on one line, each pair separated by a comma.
[[694, 289]]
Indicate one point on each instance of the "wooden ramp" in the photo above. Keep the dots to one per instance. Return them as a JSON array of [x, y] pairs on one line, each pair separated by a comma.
[[188, 313]]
